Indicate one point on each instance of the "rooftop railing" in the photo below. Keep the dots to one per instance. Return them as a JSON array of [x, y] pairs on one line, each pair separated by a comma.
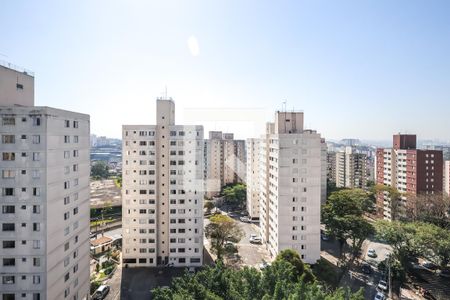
[[16, 68]]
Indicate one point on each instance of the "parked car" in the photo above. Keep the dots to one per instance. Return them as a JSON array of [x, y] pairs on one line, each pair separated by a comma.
[[366, 269], [245, 219], [444, 273], [255, 240], [429, 265], [263, 265], [191, 271], [170, 265], [379, 296], [382, 285], [324, 237], [101, 292], [371, 253]]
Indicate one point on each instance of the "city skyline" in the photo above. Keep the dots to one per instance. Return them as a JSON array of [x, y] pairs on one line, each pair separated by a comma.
[[345, 64]]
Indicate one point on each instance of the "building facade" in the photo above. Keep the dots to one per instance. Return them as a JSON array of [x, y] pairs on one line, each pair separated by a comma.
[[351, 169], [44, 183], [162, 192], [225, 162], [409, 170], [292, 186], [447, 177], [253, 176]]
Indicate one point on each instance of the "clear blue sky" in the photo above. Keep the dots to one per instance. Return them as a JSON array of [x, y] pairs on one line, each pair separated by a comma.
[[363, 69]]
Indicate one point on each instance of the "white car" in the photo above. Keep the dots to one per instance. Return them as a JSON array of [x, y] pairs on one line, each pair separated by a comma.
[[382, 285], [371, 253], [379, 296], [191, 271], [263, 265], [255, 240]]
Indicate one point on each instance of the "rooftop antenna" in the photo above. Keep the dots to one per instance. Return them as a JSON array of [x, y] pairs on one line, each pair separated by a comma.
[[283, 107], [165, 92]]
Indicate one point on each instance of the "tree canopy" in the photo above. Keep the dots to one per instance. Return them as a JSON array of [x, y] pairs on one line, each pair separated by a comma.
[[278, 281], [100, 170], [235, 195], [222, 228], [343, 216], [414, 239]]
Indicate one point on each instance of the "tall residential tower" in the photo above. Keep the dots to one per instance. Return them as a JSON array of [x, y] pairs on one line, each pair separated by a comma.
[[162, 192], [292, 185], [44, 234]]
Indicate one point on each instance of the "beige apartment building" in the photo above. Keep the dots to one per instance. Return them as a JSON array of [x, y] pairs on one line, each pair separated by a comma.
[[162, 192], [291, 162], [225, 162], [44, 183], [351, 169]]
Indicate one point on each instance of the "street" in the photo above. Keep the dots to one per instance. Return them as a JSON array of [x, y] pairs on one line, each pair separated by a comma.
[[250, 254]]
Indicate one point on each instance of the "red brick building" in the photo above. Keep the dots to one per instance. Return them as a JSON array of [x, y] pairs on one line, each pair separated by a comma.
[[411, 171]]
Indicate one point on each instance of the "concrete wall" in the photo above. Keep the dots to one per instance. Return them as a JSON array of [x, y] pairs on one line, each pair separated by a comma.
[[16, 87]]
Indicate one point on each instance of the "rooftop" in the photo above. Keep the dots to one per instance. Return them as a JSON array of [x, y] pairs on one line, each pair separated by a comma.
[[16, 68]]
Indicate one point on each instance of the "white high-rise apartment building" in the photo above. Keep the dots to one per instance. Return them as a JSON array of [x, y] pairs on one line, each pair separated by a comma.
[[44, 217], [225, 160], [292, 186], [253, 177], [447, 177], [162, 192]]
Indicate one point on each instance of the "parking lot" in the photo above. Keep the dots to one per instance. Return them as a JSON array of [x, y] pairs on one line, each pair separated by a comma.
[[250, 254], [137, 283]]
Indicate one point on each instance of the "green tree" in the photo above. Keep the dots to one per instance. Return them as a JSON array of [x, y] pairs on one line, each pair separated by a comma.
[[208, 206], [100, 170], [300, 269], [401, 237], [235, 195], [433, 242], [343, 216], [276, 282], [221, 229]]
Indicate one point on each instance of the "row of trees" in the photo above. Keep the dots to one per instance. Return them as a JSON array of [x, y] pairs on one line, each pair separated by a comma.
[[429, 208], [419, 229], [410, 240], [286, 278]]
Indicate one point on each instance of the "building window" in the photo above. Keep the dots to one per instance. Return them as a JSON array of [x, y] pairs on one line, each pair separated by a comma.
[[36, 227], [75, 124], [9, 156], [8, 279], [8, 139], [8, 209], [36, 139], [66, 139], [9, 244], [8, 191], [36, 121], [8, 174], [9, 121]]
